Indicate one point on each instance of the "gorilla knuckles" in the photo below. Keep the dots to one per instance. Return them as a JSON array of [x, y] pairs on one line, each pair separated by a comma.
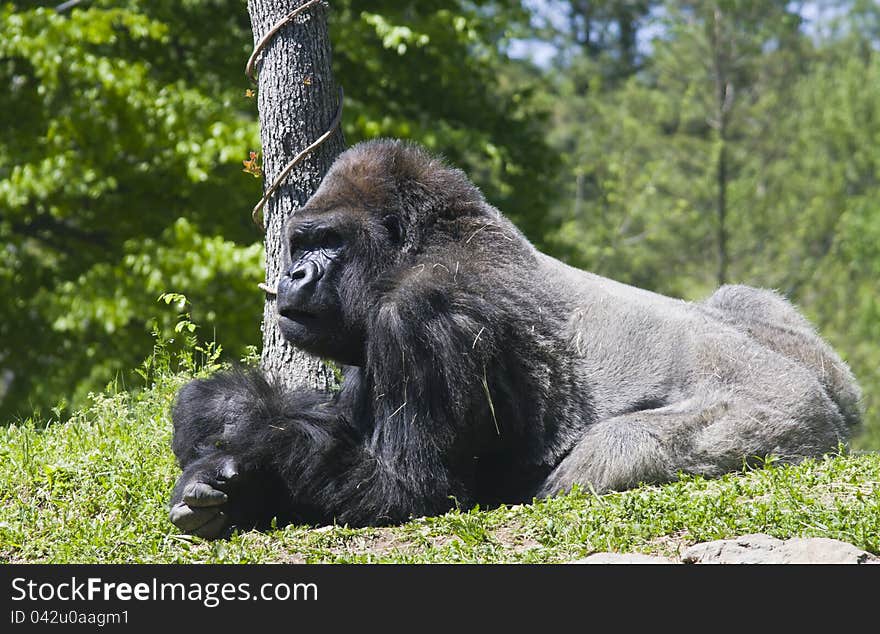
[[483, 371]]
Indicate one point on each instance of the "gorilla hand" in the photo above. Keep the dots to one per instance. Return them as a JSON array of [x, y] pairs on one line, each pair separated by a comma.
[[199, 504]]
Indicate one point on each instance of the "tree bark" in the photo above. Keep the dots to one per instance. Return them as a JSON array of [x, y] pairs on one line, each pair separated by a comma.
[[721, 209], [721, 59], [297, 99]]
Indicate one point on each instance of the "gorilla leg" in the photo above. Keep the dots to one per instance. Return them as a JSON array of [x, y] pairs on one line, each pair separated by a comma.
[[747, 303], [711, 434], [767, 317]]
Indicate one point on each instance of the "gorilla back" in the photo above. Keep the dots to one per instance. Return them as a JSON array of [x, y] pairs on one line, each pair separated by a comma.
[[480, 370]]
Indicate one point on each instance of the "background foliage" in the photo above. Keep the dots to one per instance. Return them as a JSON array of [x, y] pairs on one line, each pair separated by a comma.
[[672, 145]]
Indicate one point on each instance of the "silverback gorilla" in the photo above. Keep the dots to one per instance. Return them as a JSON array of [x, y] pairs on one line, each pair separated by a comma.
[[479, 370]]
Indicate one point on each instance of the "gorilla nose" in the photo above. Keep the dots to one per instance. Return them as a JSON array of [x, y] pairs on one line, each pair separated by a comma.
[[305, 274], [296, 289]]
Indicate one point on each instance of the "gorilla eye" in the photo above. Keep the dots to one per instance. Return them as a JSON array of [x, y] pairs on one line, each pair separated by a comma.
[[316, 239], [392, 226], [327, 239]]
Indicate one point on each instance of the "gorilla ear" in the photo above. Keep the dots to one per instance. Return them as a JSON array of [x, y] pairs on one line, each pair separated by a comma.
[[394, 228]]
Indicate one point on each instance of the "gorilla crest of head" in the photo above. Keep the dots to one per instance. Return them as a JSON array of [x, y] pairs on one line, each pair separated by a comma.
[[480, 370]]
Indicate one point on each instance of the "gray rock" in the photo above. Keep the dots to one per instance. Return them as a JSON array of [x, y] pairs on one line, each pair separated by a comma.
[[764, 549]]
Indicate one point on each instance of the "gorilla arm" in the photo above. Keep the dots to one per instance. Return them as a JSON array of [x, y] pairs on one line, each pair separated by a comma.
[[388, 448], [216, 489]]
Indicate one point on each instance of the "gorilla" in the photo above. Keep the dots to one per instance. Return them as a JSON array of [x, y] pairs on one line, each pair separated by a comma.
[[478, 370]]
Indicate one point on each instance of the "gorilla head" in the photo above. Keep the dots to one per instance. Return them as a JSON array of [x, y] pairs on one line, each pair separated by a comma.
[[364, 223], [484, 371]]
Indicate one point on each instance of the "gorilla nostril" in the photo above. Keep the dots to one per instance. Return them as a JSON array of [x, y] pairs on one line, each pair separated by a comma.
[[308, 272]]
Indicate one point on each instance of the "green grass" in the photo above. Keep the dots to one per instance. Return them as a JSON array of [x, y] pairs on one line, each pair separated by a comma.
[[94, 489]]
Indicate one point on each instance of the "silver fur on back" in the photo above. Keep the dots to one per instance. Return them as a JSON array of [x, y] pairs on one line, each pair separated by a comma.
[[737, 377]]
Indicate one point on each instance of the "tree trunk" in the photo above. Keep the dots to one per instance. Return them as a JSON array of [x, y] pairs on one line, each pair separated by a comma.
[[297, 99], [721, 60], [721, 209]]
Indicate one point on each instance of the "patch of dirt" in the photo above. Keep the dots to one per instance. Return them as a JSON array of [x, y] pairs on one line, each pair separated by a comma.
[[670, 545], [514, 539]]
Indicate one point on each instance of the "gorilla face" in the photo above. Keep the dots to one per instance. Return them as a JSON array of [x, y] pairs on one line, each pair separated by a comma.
[[329, 276], [310, 307]]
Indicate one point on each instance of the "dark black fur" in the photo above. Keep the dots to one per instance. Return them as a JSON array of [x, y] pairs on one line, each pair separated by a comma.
[[480, 370]]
